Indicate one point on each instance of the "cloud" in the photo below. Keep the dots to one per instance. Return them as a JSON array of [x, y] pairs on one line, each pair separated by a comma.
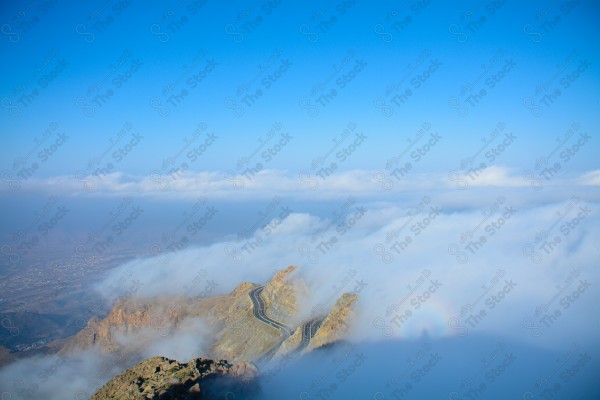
[[57, 377], [304, 186], [189, 339], [494, 176], [79, 374], [423, 259], [591, 178]]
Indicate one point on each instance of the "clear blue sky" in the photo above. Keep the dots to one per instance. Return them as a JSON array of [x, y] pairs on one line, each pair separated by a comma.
[[285, 49]]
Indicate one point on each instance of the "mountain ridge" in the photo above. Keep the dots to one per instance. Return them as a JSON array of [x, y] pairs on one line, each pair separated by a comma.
[[239, 333]]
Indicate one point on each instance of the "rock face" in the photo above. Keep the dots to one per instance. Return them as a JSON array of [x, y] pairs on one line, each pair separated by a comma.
[[165, 379], [130, 315], [281, 295], [335, 325], [291, 344]]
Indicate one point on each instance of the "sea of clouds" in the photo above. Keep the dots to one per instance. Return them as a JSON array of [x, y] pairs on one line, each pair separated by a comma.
[[442, 266]]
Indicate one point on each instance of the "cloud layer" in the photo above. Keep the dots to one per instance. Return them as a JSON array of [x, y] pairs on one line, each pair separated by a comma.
[[428, 260], [309, 185]]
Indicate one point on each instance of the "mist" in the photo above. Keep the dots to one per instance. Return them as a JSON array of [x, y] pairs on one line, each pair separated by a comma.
[[391, 255], [78, 374]]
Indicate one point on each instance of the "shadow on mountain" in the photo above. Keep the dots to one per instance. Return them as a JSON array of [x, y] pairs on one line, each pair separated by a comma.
[[213, 388]]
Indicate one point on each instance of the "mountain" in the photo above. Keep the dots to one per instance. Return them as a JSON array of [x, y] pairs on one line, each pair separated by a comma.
[[335, 325], [282, 295], [252, 323], [131, 315], [319, 332], [165, 379]]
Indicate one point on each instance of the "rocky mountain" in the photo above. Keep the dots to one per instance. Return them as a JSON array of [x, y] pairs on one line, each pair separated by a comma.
[[132, 315], [282, 295], [165, 379], [328, 330], [335, 325], [252, 323]]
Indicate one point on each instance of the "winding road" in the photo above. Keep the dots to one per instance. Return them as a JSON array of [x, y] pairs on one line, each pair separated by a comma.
[[309, 328], [260, 312]]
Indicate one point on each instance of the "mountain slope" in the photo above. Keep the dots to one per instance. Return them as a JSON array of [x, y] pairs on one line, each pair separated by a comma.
[[336, 324]]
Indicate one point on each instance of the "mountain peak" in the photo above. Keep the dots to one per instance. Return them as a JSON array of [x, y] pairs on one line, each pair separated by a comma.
[[283, 274], [164, 378]]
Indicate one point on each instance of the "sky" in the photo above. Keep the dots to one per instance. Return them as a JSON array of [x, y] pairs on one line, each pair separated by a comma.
[[453, 143], [369, 54]]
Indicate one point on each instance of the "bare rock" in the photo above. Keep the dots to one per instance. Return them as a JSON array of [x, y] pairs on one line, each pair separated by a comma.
[[163, 378], [336, 324]]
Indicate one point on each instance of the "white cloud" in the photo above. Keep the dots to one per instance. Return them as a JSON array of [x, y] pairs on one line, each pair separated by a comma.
[[591, 178], [57, 377], [494, 176], [389, 249], [268, 183], [191, 338]]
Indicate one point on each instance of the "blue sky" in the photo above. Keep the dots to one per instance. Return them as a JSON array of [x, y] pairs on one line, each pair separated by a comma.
[[352, 30]]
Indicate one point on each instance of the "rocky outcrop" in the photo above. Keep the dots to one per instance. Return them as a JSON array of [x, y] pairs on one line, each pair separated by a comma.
[[165, 379], [336, 324], [130, 315], [281, 295], [291, 344]]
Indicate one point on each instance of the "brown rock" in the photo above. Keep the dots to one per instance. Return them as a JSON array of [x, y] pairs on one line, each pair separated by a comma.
[[336, 324], [163, 378]]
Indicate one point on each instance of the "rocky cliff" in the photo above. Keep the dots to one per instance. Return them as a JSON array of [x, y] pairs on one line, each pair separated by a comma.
[[130, 315], [165, 379], [335, 326], [282, 295]]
